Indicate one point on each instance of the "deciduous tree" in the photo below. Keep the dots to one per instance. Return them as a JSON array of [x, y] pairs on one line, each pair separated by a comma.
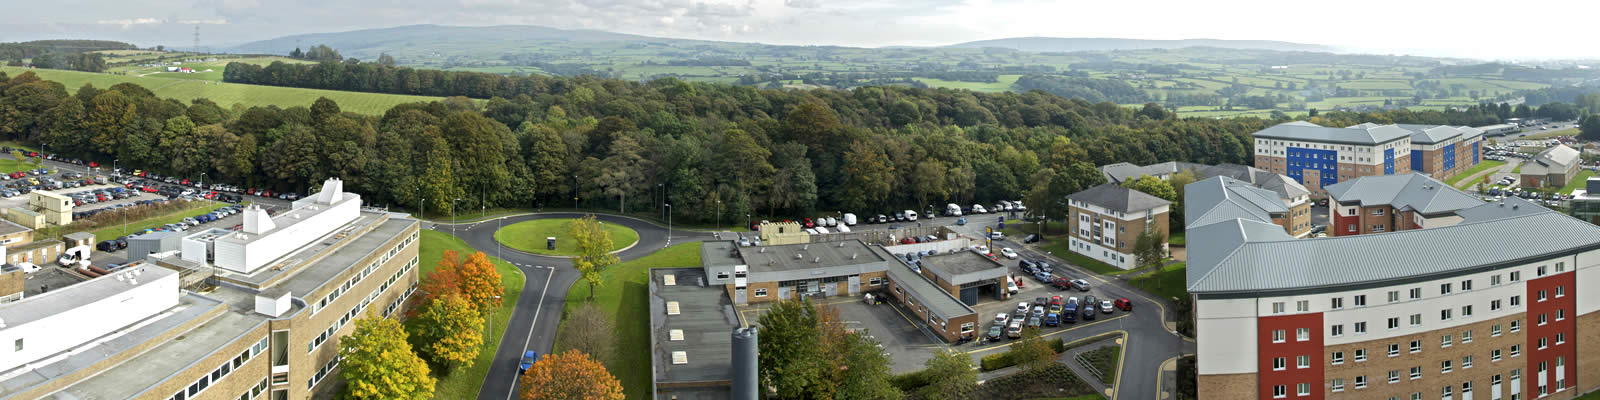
[[951, 376], [789, 353], [1152, 186], [588, 329], [480, 283], [569, 376], [594, 250], [1033, 352], [450, 331], [378, 362]]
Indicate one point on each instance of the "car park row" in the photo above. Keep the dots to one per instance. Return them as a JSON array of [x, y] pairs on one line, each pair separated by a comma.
[[850, 219]]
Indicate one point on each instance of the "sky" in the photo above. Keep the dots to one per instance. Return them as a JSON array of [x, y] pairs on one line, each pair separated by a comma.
[[1459, 28]]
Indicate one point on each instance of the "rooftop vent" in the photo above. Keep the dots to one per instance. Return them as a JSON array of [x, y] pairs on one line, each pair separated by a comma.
[[805, 247], [672, 308], [841, 245], [798, 256], [669, 280], [816, 260], [680, 357], [675, 335], [852, 256]]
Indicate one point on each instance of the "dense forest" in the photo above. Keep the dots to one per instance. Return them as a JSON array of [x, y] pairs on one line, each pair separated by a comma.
[[593, 142]]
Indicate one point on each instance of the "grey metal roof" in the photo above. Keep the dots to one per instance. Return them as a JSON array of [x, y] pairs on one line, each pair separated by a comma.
[[1242, 256], [941, 303], [1405, 192], [1429, 134], [705, 316], [1116, 197], [1509, 207], [1557, 158], [1221, 198], [1360, 134], [1119, 172]]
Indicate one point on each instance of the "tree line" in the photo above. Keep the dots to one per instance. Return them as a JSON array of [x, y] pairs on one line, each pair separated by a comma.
[[711, 150]]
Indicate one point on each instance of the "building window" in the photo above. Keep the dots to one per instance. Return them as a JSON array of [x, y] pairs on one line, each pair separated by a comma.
[[761, 292], [1544, 319], [1361, 327], [1494, 380], [1445, 394], [1337, 303], [1516, 350], [1516, 325], [1361, 382], [1302, 305], [1278, 336], [1466, 362], [1416, 346], [1338, 384], [1544, 343], [1394, 376], [1466, 285], [1446, 366], [1494, 280], [1494, 355], [1394, 322], [1466, 336], [1494, 305], [1561, 338], [1302, 362], [1516, 301], [1444, 315], [1444, 288], [18, 345], [1277, 307], [1516, 276], [1416, 373], [1302, 334], [1445, 341], [1416, 320], [1361, 355], [1561, 314], [1416, 293], [1336, 330], [1304, 389], [1279, 364], [1561, 291], [722, 274], [1541, 295], [1394, 296], [1561, 267], [1361, 300], [1337, 357], [1394, 349], [1539, 271], [1280, 391]]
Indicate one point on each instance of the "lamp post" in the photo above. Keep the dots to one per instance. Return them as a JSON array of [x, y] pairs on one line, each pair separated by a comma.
[[719, 214], [669, 223], [453, 216]]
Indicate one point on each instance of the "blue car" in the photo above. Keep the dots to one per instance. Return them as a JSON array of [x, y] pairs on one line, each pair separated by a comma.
[[528, 358]]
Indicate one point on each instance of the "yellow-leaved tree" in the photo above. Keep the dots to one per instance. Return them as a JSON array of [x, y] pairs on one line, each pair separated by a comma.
[[594, 250], [379, 364], [450, 331], [480, 283]]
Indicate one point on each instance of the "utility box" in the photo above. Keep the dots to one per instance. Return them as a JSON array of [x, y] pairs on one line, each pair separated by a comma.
[[550, 243]]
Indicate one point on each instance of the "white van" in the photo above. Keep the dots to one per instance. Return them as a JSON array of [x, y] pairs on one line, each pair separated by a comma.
[[821, 229], [1011, 286], [842, 228], [849, 219], [952, 210], [978, 209], [911, 215]]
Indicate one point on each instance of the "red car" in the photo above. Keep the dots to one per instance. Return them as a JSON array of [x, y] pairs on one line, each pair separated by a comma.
[[1123, 304], [907, 241], [94, 164], [808, 223]]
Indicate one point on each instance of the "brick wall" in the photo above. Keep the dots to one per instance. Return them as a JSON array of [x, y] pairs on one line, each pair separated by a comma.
[[304, 327], [1227, 386], [1378, 364]]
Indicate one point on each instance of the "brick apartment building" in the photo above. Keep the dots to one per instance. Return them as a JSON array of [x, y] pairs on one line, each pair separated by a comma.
[[1375, 204], [1553, 167], [1490, 307], [1319, 156], [1296, 200], [1104, 222], [1442, 151]]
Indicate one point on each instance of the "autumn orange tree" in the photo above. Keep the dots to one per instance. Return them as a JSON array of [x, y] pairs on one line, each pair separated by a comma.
[[378, 362], [450, 331], [480, 282], [444, 280], [570, 375]]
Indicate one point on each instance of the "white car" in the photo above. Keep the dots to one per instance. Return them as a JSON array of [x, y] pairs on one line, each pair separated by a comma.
[[1011, 286], [1011, 254], [1105, 306], [1002, 318], [1022, 307], [997, 235], [982, 249]]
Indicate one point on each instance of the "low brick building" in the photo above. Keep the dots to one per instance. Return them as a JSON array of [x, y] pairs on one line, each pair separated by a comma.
[[1389, 203], [1553, 167]]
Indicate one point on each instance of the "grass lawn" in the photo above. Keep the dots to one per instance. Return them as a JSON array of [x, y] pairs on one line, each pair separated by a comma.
[[463, 383], [1179, 238], [1105, 360], [1058, 247], [1577, 181], [1590, 396], [114, 231], [1547, 135], [1518, 169], [624, 295], [8, 165], [1482, 166], [1168, 283], [530, 236]]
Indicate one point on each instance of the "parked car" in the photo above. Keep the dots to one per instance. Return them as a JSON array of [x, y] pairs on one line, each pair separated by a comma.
[[1088, 312], [1031, 238], [995, 330], [1081, 285], [1008, 253], [1052, 319], [1061, 283], [1124, 304], [1106, 306]]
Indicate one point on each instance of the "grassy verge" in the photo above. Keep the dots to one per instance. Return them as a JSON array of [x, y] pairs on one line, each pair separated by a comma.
[[529, 236], [1179, 238], [1518, 169], [1547, 135], [116, 230], [463, 383], [1104, 359], [1458, 179], [8, 165], [1058, 247], [1169, 282], [624, 295], [1577, 181]]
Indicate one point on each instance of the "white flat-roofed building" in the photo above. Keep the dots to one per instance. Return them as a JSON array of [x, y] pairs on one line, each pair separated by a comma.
[[50, 323], [265, 238]]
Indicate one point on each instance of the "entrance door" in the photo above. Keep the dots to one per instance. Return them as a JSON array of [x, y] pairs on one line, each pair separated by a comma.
[[783, 292], [855, 286], [739, 297]]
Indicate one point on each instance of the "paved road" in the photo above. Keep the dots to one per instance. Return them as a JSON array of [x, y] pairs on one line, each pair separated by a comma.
[[533, 321]]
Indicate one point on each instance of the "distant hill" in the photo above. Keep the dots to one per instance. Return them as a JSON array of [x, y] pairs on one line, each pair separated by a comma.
[[1052, 44], [360, 41]]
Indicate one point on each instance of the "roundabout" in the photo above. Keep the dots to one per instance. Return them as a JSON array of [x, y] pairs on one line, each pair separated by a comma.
[[530, 236]]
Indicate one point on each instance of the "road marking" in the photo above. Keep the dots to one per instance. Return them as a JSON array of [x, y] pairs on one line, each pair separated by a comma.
[[1121, 358], [1160, 371], [513, 390]]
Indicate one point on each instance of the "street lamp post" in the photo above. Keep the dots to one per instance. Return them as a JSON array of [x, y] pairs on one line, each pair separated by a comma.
[[719, 215], [669, 223], [453, 216]]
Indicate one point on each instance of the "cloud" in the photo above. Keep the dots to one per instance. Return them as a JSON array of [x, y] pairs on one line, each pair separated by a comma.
[[126, 23], [213, 21], [803, 3]]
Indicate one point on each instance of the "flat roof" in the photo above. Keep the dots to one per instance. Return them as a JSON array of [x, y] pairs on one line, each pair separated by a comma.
[[791, 257], [49, 277], [7, 227], [964, 266], [719, 253], [707, 318], [190, 307], [55, 301], [285, 219], [342, 259], [160, 363], [935, 298]]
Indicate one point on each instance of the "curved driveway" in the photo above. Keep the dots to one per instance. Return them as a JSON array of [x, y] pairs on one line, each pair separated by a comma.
[[533, 321]]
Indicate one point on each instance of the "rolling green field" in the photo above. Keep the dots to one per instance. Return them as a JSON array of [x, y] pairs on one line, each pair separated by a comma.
[[529, 236], [1003, 85], [228, 94]]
